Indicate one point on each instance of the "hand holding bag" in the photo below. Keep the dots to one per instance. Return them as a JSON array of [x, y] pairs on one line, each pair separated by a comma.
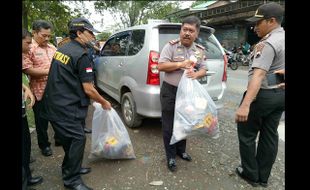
[[195, 112]]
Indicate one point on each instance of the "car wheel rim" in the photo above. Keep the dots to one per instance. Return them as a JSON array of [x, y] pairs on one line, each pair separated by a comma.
[[127, 110]]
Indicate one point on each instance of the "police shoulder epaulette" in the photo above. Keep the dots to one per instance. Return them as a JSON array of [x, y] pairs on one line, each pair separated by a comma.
[[172, 42], [200, 46]]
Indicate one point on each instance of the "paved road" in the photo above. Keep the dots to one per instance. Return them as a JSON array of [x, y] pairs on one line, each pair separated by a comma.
[[237, 82], [212, 167]]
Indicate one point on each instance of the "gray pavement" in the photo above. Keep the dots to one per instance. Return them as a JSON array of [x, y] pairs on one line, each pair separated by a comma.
[[212, 168]]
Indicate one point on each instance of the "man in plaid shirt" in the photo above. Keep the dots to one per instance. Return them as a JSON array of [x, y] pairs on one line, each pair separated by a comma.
[[36, 65]]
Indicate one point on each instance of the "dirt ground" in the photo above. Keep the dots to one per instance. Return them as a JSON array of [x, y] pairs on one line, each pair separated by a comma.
[[212, 168]]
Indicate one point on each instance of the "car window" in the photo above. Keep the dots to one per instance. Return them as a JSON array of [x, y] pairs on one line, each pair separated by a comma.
[[167, 34], [106, 50], [117, 45], [137, 41], [212, 50]]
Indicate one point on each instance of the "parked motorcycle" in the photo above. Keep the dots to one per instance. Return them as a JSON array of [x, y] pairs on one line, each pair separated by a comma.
[[240, 56], [247, 58], [232, 63]]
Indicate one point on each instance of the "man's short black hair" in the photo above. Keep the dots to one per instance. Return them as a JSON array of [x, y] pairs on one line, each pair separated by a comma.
[[192, 20], [37, 25], [26, 33]]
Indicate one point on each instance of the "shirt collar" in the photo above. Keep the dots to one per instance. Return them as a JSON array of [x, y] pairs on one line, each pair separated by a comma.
[[278, 29], [35, 44], [192, 47]]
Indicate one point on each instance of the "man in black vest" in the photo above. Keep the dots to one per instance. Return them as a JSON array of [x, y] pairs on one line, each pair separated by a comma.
[[67, 96]]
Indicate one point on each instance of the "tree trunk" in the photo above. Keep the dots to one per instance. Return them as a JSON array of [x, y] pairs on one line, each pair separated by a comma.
[[25, 16]]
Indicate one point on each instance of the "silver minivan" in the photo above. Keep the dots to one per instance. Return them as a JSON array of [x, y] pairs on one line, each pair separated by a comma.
[[126, 68]]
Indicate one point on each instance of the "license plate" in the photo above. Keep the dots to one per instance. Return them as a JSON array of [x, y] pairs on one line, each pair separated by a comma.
[[203, 80]]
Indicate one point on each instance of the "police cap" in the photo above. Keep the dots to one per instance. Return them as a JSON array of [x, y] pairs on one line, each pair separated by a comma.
[[266, 11], [78, 23]]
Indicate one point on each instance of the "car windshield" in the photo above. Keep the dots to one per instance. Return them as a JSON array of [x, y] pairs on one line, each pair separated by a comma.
[[212, 50]]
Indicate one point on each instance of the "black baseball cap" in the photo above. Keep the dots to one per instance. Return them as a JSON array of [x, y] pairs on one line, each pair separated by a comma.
[[78, 23], [266, 11]]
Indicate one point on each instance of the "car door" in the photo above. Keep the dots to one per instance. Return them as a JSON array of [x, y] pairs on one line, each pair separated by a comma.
[[110, 63]]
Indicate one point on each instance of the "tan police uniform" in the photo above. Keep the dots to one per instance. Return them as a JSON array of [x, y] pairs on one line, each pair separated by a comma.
[[174, 51], [265, 111]]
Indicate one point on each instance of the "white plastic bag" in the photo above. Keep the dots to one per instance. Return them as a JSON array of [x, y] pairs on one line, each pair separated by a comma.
[[110, 138], [195, 112]]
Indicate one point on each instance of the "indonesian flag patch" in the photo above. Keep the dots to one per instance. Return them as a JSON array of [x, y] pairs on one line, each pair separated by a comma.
[[89, 70]]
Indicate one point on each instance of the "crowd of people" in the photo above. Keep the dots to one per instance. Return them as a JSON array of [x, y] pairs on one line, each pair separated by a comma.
[[62, 84]]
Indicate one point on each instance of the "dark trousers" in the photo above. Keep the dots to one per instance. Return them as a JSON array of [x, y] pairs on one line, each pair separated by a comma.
[[167, 99], [72, 138], [24, 179], [26, 148], [41, 126], [264, 117]]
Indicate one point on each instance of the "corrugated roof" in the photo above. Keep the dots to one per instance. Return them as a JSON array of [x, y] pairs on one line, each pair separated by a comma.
[[202, 6]]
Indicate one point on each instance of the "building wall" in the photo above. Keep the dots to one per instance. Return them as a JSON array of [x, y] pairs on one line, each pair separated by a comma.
[[231, 36]]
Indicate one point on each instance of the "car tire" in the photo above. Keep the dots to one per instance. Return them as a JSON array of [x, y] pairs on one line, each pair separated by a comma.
[[129, 111]]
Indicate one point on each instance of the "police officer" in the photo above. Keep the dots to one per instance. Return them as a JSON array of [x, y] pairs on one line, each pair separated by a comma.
[[263, 103], [67, 97], [174, 60]]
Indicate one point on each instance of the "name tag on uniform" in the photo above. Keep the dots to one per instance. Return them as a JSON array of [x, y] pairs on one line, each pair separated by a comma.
[[178, 58], [39, 54]]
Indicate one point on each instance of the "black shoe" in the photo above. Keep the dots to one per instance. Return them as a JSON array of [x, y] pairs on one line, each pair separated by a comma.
[[34, 180], [239, 171], [86, 130], [172, 166], [85, 170], [263, 184], [81, 186], [32, 160], [47, 151], [185, 156]]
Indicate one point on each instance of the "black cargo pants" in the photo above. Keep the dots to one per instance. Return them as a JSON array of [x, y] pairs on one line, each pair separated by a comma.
[[264, 117], [167, 99], [72, 138]]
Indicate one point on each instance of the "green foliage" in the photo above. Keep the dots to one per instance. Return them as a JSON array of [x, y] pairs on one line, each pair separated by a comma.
[[55, 12], [29, 112], [103, 36], [137, 12]]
